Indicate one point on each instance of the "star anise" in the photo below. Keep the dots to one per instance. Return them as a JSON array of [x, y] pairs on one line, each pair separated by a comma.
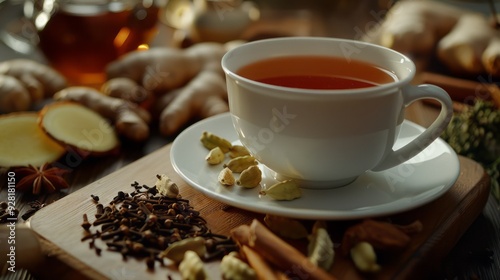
[[41, 179]]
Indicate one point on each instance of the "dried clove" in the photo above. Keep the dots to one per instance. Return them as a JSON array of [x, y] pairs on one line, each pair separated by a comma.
[[99, 210], [35, 206], [144, 223], [86, 224]]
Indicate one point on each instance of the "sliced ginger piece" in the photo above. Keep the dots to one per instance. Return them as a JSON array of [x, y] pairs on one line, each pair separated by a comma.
[[79, 127], [23, 142], [130, 120]]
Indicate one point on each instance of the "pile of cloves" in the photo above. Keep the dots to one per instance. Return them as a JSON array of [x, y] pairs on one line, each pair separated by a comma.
[[144, 223]]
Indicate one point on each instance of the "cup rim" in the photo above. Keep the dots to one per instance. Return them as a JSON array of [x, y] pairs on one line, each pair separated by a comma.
[[382, 87]]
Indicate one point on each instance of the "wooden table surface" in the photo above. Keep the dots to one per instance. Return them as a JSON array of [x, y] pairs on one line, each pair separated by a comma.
[[468, 259], [476, 255]]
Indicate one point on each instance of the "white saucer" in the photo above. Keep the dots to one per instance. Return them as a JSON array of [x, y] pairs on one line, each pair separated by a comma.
[[418, 181]]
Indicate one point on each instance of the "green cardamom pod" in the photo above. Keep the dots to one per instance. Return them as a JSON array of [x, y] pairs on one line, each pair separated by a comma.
[[250, 177], [210, 141], [226, 177], [238, 151], [239, 164], [286, 190], [215, 156]]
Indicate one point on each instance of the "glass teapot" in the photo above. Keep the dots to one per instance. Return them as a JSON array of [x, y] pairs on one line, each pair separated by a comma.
[[80, 37]]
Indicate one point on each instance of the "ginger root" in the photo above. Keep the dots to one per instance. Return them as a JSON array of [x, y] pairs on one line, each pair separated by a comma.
[[491, 56], [129, 119], [127, 89], [23, 142], [203, 96], [188, 83], [414, 27], [465, 42], [463, 50], [14, 97], [24, 83], [78, 127]]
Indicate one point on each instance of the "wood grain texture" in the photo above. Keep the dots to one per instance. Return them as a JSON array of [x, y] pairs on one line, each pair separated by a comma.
[[444, 220]]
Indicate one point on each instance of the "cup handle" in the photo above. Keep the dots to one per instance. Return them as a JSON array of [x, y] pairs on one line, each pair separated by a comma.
[[411, 94]]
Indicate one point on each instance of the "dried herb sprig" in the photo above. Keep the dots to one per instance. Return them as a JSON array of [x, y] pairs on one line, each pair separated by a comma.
[[475, 133]]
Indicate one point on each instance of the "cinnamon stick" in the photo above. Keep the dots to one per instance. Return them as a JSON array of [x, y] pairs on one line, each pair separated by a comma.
[[261, 267], [460, 89], [278, 252]]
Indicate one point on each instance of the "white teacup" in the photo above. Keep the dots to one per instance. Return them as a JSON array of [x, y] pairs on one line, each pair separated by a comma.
[[327, 137]]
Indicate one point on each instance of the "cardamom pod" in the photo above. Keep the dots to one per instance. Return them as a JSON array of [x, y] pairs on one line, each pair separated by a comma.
[[285, 190], [320, 249], [210, 141], [250, 177], [191, 267], [364, 257], [215, 156], [238, 151], [166, 186], [239, 164], [234, 268], [226, 177], [176, 250]]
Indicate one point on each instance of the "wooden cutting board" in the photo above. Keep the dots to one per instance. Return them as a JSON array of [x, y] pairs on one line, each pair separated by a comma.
[[444, 221]]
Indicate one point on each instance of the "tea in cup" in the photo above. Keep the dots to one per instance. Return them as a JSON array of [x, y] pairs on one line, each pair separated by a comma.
[[324, 111]]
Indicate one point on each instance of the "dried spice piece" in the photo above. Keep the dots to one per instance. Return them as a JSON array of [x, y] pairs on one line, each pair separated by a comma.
[[239, 164], [475, 132], [238, 151], [166, 186], [35, 206], [191, 267], [95, 198], [145, 223], [320, 248], [286, 190], [210, 141], [411, 229], [215, 156], [250, 177], [364, 257], [381, 235], [226, 177], [43, 179], [286, 227], [176, 250], [86, 224], [234, 268], [276, 251], [262, 268]]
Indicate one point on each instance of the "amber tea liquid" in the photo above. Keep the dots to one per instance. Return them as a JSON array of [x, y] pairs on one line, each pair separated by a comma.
[[81, 45], [316, 72]]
